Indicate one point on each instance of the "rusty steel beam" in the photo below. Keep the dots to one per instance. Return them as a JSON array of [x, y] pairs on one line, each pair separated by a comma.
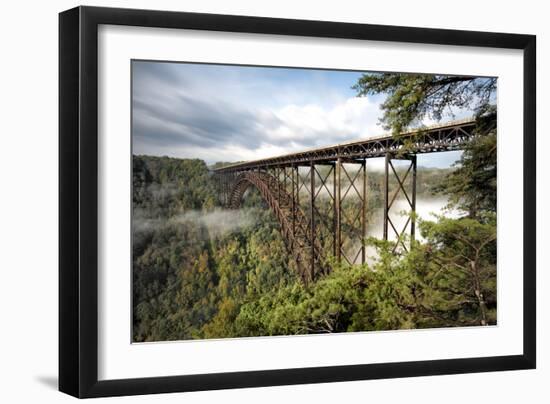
[[306, 250], [296, 204], [401, 189], [352, 219], [364, 214], [312, 218], [413, 204], [386, 194], [335, 224], [338, 209], [450, 136], [306, 237]]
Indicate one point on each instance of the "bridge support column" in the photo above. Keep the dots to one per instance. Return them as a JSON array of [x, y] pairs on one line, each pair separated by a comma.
[[413, 202], [386, 194], [410, 197], [351, 203], [312, 218], [226, 184], [337, 210], [364, 214], [222, 178], [278, 176], [294, 173]]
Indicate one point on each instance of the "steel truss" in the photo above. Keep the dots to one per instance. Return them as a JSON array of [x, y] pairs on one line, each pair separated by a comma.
[[321, 209], [451, 136], [410, 198], [319, 197]]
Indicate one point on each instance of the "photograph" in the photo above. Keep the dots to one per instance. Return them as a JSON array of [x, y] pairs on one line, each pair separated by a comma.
[[285, 202], [277, 201]]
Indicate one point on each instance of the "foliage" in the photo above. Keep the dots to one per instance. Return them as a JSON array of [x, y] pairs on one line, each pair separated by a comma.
[[188, 276], [411, 97], [472, 186], [231, 276], [192, 283], [462, 253]]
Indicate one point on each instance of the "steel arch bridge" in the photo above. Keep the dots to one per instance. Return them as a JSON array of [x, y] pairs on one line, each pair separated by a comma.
[[293, 185]]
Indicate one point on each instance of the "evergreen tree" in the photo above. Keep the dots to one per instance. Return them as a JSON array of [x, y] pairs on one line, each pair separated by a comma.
[[412, 97]]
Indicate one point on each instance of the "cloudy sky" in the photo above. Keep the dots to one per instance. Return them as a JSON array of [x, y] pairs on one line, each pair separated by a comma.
[[235, 113]]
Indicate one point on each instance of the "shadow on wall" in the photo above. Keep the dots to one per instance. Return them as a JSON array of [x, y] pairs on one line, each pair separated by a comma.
[[48, 381]]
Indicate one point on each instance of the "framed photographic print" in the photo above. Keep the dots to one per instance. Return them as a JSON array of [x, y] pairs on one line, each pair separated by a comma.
[[251, 201]]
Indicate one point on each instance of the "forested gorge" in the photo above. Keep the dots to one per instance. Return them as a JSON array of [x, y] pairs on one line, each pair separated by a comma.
[[201, 271], [195, 264]]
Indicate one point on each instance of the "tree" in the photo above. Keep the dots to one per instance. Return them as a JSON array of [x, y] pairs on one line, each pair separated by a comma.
[[464, 253], [451, 276], [472, 185], [411, 97]]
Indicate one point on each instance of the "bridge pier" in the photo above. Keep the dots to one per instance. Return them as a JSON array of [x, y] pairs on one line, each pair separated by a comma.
[[313, 231], [313, 236], [390, 171], [337, 210], [344, 233], [295, 198], [351, 207], [364, 214]]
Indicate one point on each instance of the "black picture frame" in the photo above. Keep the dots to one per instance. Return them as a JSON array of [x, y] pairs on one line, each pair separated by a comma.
[[78, 201]]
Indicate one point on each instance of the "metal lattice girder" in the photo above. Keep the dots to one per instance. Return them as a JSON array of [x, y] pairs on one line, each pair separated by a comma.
[[352, 210], [391, 196], [294, 184], [295, 227], [323, 202], [450, 136]]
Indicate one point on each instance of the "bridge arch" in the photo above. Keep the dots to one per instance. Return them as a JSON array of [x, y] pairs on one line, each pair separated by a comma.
[[294, 226], [345, 220]]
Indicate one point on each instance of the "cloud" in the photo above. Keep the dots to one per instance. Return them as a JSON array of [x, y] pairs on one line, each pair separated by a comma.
[[313, 125], [235, 113], [182, 110], [192, 121]]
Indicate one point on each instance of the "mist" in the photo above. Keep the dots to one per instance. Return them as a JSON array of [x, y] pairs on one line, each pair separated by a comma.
[[217, 223], [220, 221], [426, 209]]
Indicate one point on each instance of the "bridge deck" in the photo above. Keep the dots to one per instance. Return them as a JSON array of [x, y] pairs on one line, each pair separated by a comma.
[[445, 137]]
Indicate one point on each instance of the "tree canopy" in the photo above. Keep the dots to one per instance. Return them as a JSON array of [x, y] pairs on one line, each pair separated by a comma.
[[191, 280], [409, 98], [412, 97]]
